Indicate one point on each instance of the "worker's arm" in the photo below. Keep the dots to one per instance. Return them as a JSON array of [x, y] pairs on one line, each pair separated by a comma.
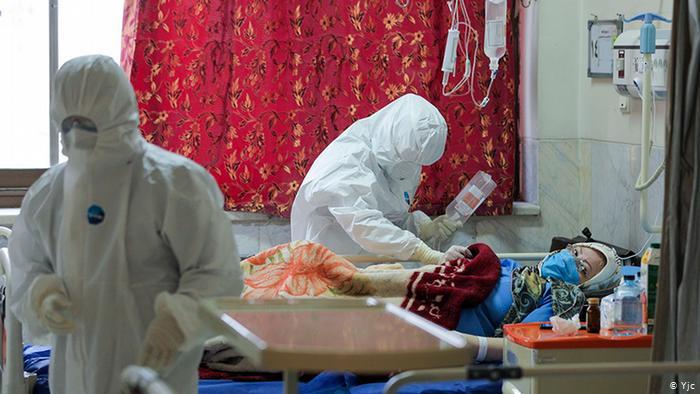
[[373, 232], [200, 236], [31, 266]]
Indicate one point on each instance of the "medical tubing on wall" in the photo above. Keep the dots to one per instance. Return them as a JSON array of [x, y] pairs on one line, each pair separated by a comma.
[[640, 184], [646, 142], [645, 244]]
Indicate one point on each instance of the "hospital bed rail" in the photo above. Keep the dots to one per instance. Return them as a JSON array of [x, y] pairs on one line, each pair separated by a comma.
[[142, 380], [13, 379], [371, 259], [514, 372]]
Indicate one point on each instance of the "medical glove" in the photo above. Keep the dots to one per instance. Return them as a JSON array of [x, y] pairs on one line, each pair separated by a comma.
[[457, 252], [439, 229], [54, 312], [163, 340], [426, 255], [51, 304]]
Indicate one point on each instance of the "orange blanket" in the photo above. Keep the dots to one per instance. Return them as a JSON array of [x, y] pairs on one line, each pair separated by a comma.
[[437, 293]]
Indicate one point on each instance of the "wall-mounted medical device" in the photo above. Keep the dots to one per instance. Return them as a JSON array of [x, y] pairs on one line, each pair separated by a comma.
[[601, 35], [628, 64]]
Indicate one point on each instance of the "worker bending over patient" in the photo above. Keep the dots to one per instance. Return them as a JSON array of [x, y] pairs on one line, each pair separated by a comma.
[[356, 195], [112, 249]]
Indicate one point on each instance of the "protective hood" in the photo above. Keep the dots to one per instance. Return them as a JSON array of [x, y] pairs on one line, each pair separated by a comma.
[[357, 194], [409, 129], [95, 88]]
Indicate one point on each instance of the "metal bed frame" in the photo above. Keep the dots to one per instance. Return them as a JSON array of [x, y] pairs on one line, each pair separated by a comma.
[[13, 378], [511, 372]]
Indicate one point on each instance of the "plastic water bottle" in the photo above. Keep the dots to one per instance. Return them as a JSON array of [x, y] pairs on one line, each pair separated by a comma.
[[628, 306], [495, 31], [607, 313], [471, 196]]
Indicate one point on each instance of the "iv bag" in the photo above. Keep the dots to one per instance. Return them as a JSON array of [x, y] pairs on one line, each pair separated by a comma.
[[495, 31], [471, 197]]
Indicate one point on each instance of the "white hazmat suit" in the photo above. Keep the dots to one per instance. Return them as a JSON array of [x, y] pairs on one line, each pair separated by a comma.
[[356, 195], [120, 230]]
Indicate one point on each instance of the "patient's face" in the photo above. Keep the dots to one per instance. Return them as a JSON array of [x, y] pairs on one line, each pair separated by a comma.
[[591, 260]]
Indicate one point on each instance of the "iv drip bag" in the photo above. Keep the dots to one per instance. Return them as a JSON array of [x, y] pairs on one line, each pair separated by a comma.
[[495, 31]]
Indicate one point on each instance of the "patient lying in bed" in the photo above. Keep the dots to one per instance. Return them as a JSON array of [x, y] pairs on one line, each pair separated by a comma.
[[474, 296]]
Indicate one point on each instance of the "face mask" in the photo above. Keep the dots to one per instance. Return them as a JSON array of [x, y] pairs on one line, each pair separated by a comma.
[[78, 140], [66, 142], [560, 265]]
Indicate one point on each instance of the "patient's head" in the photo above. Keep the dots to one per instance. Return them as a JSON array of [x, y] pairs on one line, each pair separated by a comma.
[[589, 261], [591, 265], [598, 265]]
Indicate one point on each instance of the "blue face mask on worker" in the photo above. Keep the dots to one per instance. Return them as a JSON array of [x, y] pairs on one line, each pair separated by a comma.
[[561, 265], [403, 180]]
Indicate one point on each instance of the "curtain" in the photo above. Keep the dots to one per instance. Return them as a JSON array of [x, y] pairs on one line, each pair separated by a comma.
[[255, 90], [677, 313]]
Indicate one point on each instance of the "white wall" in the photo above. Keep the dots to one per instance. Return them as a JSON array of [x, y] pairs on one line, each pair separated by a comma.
[[599, 118], [571, 104], [559, 64]]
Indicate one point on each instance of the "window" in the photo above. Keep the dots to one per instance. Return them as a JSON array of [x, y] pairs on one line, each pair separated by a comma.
[[24, 84], [26, 41]]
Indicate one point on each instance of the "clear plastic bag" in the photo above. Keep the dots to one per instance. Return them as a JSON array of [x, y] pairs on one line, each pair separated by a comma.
[[471, 197]]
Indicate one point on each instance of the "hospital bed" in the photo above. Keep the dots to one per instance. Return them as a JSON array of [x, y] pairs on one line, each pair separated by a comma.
[[15, 380]]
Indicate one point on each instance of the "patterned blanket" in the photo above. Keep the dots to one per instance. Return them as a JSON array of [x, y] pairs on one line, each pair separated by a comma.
[[435, 292]]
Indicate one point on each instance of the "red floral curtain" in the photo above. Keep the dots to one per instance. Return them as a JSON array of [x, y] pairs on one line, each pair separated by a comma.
[[255, 90]]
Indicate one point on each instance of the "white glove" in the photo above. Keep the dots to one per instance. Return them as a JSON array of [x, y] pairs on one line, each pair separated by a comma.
[[51, 304], [456, 252], [426, 255], [53, 313], [438, 229], [163, 340]]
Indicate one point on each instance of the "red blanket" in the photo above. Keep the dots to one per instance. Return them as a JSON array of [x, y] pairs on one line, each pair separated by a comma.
[[439, 296]]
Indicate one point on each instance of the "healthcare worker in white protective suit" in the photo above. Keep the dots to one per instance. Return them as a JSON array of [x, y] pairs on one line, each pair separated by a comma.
[[356, 196], [112, 249]]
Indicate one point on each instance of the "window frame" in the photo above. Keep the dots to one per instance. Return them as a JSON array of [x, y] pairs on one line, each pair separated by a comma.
[[15, 182]]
